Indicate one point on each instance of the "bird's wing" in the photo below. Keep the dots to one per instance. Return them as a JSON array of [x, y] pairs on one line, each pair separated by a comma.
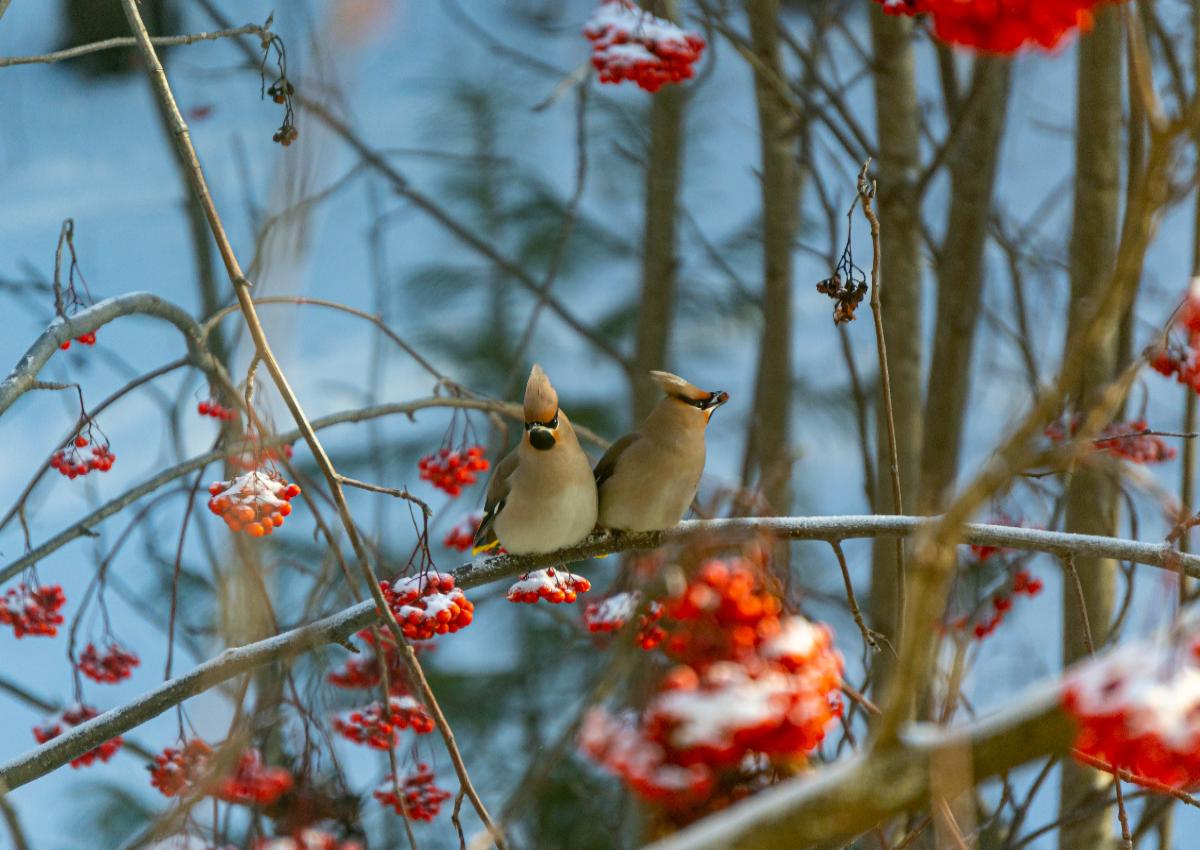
[[607, 464], [497, 492]]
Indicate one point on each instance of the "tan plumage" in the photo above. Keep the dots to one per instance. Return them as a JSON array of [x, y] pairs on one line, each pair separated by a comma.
[[647, 479], [542, 496]]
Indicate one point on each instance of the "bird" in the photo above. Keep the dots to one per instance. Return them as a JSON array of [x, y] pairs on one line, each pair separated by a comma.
[[542, 496], [647, 479]]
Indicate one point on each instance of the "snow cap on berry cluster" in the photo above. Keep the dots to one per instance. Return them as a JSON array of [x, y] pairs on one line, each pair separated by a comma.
[[555, 586], [32, 610], [1000, 26], [427, 605], [255, 502], [308, 838], [422, 799], [629, 43]]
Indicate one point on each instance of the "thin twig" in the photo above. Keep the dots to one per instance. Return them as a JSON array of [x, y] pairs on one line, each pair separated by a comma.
[[129, 41]]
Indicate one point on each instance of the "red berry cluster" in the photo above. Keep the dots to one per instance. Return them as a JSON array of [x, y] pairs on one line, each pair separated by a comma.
[[428, 605], [111, 666], [1023, 584], [462, 536], [1000, 26], [254, 783], [72, 463], [1134, 441], [254, 502], [83, 339], [422, 798], [52, 727], [609, 615], [371, 726], [175, 771], [361, 671], [628, 43], [307, 839], [1138, 709], [33, 611], [553, 585], [216, 410], [688, 748], [451, 470]]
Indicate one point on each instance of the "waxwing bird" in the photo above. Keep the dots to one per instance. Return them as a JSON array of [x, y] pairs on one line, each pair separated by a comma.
[[542, 496], [647, 479]]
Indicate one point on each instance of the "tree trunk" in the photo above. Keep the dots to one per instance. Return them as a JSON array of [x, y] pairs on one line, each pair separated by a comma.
[[768, 450], [1092, 493], [972, 165], [897, 118]]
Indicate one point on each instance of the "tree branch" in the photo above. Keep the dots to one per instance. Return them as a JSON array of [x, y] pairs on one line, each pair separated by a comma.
[[127, 41]]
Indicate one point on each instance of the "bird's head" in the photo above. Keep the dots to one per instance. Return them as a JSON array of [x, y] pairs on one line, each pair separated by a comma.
[[541, 410], [676, 388]]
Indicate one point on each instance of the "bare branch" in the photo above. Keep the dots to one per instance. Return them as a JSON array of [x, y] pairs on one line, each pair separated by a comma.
[[127, 41]]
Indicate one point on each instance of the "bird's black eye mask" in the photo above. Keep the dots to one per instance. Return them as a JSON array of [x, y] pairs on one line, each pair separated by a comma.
[[551, 424], [714, 400]]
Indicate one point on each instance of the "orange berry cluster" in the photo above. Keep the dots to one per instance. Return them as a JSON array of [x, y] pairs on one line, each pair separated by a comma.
[[380, 731], [628, 43], [254, 783], [451, 470], [254, 502], [422, 798], [462, 536], [176, 770], [33, 610], [609, 615], [52, 727], [554, 586], [724, 612], [362, 671], [111, 666], [83, 339], [70, 461], [216, 410], [428, 605]]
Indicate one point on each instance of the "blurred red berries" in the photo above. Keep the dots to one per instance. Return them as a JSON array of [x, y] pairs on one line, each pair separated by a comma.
[[451, 470], [175, 771], [53, 726], [371, 726], [422, 798], [110, 666], [629, 43], [1000, 26], [33, 611]]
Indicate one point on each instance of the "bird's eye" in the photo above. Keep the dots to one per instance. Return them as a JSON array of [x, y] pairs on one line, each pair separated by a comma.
[[551, 424]]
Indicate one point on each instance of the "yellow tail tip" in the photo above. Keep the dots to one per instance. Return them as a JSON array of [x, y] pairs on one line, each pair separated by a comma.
[[475, 550]]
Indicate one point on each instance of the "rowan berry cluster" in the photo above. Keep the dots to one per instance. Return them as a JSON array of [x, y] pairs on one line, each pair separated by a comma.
[[422, 799], [175, 770], [254, 502], [1133, 441], [1024, 584], [555, 586], [53, 726], [610, 614], [380, 730], [214, 408], [462, 536], [428, 605], [1138, 709], [629, 43], [88, 338], [450, 470], [1000, 26], [362, 671], [254, 783], [751, 684], [112, 665], [33, 610], [71, 462], [307, 839]]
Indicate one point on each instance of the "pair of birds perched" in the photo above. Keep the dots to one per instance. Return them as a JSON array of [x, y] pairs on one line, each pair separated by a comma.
[[545, 495]]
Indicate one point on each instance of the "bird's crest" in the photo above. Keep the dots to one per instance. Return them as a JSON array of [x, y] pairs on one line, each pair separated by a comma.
[[541, 401]]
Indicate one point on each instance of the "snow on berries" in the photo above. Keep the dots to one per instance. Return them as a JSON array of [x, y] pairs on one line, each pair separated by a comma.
[[254, 783], [112, 665], [1138, 709], [428, 605], [1003, 26], [422, 799], [33, 610], [71, 461], [462, 536], [176, 770], [307, 839], [54, 726], [380, 730], [555, 586], [255, 502], [750, 683], [450, 470], [609, 615], [629, 43], [212, 407]]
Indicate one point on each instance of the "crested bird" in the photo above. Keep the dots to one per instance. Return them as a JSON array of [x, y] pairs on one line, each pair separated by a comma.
[[647, 479], [542, 496]]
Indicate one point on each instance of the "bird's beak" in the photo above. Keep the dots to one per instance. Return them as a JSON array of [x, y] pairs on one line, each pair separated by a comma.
[[715, 400]]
